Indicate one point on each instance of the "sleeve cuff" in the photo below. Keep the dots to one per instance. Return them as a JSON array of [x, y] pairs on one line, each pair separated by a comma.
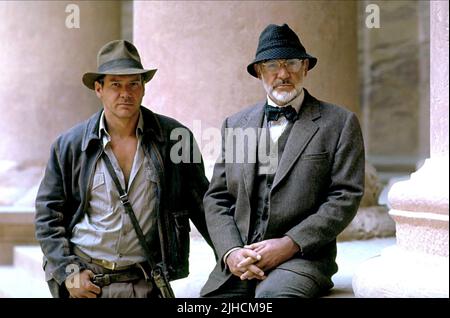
[[228, 253]]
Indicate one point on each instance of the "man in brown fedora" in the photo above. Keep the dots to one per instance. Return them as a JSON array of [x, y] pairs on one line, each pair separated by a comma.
[[113, 209], [274, 223]]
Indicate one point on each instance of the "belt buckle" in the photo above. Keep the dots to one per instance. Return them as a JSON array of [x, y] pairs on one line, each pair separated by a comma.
[[109, 265]]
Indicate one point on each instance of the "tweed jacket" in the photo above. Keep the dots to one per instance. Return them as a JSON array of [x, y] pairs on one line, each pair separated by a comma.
[[316, 190]]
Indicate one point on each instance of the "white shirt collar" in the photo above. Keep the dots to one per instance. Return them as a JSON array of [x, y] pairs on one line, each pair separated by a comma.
[[104, 135]]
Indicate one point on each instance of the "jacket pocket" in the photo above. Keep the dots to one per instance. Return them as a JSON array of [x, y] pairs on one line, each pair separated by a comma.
[[99, 180], [100, 200], [315, 156]]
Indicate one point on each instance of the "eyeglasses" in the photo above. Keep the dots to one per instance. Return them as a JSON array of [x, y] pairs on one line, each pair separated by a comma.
[[274, 66]]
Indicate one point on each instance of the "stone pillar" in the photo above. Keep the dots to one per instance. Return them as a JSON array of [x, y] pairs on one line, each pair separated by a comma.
[[394, 72], [42, 62], [201, 50], [418, 265]]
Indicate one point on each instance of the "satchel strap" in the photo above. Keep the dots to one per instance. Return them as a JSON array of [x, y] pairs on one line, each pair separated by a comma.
[[157, 273]]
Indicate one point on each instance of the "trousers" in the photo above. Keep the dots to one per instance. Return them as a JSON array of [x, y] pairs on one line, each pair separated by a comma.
[[280, 283]]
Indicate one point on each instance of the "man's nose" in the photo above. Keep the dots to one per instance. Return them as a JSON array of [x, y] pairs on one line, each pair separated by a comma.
[[125, 92], [283, 72]]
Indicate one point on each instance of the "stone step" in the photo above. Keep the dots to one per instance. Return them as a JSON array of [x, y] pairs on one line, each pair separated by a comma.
[[29, 259], [25, 278], [16, 228]]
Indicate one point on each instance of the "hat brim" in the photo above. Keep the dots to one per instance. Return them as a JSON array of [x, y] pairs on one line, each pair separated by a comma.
[[277, 53], [90, 77]]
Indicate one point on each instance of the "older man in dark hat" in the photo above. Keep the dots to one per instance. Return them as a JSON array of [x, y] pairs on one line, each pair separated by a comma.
[[113, 209], [274, 223]]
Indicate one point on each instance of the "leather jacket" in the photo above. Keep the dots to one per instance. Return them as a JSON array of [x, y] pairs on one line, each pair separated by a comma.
[[63, 196]]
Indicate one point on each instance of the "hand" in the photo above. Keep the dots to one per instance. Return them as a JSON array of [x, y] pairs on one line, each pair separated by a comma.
[[249, 269], [80, 285], [273, 252]]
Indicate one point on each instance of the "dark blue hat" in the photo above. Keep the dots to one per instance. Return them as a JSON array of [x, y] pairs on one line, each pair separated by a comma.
[[279, 42]]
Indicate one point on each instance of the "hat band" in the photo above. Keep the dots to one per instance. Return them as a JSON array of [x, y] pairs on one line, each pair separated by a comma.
[[120, 63]]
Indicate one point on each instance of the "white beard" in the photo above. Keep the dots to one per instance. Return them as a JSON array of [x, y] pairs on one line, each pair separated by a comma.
[[282, 98]]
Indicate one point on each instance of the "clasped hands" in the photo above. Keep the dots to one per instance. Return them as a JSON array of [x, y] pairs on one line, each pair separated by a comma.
[[255, 260]]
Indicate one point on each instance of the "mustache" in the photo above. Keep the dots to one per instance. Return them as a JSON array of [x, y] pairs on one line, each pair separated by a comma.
[[127, 100], [279, 82]]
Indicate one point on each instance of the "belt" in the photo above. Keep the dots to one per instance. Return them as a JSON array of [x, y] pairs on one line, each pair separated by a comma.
[[103, 263], [102, 280]]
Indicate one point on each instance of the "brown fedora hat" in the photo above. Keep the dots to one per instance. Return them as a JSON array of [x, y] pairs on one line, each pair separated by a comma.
[[117, 57]]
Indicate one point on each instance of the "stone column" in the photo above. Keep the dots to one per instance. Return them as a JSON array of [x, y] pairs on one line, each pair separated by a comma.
[[418, 265], [394, 72], [42, 61]]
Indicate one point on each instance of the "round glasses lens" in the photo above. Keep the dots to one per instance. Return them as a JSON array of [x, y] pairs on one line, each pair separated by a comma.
[[272, 66], [292, 65]]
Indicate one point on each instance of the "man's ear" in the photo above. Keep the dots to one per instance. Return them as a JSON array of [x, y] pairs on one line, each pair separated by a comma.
[[305, 72], [98, 89], [257, 69]]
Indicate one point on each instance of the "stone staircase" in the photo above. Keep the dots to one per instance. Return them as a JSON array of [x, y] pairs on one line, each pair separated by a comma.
[[16, 228]]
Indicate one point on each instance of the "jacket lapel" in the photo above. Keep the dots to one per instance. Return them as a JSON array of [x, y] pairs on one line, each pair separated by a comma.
[[253, 120], [303, 130]]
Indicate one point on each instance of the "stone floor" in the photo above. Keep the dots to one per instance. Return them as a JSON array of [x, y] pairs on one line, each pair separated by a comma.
[[25, 279]]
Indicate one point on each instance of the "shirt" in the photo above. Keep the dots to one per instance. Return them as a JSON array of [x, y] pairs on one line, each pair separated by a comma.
[[276, 127], [106, 232]]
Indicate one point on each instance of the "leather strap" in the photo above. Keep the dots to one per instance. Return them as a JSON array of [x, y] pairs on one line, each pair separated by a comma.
[[157, 273]]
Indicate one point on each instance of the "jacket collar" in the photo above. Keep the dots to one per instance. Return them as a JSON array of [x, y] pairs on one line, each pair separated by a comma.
[[152, 128], [312, 105]]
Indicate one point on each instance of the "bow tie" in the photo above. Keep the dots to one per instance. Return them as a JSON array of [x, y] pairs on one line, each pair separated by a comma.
[[273, 113]]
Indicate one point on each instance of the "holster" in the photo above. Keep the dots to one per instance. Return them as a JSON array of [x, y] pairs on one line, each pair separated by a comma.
[[162, 283]]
